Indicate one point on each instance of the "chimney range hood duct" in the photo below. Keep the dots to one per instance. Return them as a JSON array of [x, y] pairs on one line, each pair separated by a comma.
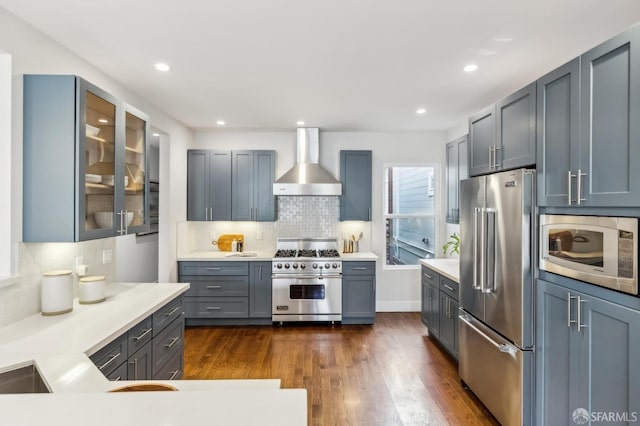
[[307, 177]]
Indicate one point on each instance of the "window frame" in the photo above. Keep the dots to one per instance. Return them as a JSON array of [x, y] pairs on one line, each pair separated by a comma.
[[435, 190]]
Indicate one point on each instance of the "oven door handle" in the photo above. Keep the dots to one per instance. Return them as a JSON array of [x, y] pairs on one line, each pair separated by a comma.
[[308, 277]]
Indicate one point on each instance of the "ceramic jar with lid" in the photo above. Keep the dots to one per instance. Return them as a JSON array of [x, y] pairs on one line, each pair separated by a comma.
[[91, 290], [56, 293]]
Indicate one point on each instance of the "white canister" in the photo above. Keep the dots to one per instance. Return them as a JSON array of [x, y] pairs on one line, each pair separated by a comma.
[[56, 293], [91, 290]]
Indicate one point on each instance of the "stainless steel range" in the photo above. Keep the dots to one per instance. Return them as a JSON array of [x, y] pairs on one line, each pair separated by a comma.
[[307, 280]]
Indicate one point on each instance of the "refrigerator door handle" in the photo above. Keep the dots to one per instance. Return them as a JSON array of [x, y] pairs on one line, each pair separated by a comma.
[[493, 343], [477, 241], [490, 257]]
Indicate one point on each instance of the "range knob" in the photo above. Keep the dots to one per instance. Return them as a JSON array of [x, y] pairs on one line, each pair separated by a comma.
[[334, 266], [315, 266], [327, 266], [303, 266], [295, 266], [279, 266], [286, 266]]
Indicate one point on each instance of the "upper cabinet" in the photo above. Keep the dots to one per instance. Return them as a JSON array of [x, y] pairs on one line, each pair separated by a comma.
[[457, 170], [230, 185], [355, 176], [503, 136], [85, 162], [588, 132]]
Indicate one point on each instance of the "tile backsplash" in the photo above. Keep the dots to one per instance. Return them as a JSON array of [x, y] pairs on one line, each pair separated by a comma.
[[22, 299]]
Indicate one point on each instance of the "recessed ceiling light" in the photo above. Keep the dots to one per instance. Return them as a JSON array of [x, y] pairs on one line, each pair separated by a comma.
[[502, 39], [103, 120], [156, 134], [220, 123], [470, 67], [421, 111], [300, 123], [161, 66]]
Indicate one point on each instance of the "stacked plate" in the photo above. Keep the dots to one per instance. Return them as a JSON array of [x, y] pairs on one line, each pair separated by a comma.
[[93, 178]]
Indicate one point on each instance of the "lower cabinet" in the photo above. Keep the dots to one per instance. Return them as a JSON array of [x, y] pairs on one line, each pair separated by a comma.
[[227, 292], [440, 309], [358, 292], [147, 351], [587, 357]]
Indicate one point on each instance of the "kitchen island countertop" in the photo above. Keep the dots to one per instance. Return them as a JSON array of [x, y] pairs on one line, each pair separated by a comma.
[[450, 268], [60, 346], [209, 255]]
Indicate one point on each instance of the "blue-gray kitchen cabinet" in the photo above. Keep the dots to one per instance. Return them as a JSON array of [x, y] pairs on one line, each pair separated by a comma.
[[260, 290], [482, 141], [431, 301], [139, 364], [84, 162], [356, 179], [586, 355], [253, 174], [358, 292], [448, 334], [208, 185], [457, 169], [558, 111]]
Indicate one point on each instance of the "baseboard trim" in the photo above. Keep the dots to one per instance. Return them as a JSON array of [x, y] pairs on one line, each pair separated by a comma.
[[398, 306]]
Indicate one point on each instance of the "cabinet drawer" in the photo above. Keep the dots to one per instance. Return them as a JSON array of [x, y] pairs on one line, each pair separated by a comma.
[[173, 368], [237, 286], [214, 268], [358, 268], [430, 277], [450, 287], [217, 307], [168, 343], [165, 315], [111, 356], [139, 335], [119, 373]]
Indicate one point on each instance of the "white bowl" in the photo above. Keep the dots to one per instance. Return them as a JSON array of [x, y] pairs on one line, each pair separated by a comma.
[[104, 219], [92, 130]]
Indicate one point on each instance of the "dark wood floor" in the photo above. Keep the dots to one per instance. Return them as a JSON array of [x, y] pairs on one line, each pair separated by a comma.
[[391, 373]]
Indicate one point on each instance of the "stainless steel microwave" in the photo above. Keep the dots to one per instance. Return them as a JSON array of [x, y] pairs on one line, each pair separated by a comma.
[[596, 249]]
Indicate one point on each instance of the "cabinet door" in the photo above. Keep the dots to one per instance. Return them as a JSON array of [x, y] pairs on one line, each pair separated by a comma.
[[264, 174], [516, 127], [482, 139], [434, 311], [242, 185], [558, 108], [139, 364], [219, 185], [424, 303], [452, 181], [260, 290], [609, 367], [355, 176], [609, 125], [456, 327], [557, 352], [446, 335], [358, 299], [197, 184]]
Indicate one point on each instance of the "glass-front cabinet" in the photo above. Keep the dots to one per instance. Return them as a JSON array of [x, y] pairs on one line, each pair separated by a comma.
[[85, 157]]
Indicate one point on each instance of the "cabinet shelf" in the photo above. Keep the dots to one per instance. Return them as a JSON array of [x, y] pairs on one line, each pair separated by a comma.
[[101, 186]]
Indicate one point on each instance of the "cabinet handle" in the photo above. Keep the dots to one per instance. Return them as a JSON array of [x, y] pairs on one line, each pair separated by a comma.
[[173, 342], [579, 198], [213, 308], [260, 273], [446, 299], [569, 186], [143, 334], [212, 269], [126, 222], [135, 368], [117, 379], [449, 288], [569, 320], [111, 358], [171, 312], [428, 276], [121, 230], [213, 287], [491, 157], [369, 214], [496, 163], [206, 213], [174, 374], [579, 321]]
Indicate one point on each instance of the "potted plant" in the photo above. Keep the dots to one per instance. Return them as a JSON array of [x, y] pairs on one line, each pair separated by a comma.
[[452, 246]]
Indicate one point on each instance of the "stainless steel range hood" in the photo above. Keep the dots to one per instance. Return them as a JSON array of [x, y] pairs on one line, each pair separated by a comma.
[[307, 177]]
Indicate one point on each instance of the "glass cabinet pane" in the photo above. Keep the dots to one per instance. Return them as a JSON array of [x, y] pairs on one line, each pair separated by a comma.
[[135, 169], [99, 157]]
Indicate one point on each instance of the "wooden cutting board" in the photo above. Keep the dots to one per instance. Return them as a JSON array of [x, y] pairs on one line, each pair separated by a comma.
[[225, 240]]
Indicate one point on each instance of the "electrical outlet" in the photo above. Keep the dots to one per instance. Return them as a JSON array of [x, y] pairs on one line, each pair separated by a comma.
[[79, 261], [260, 235], [107, 256]]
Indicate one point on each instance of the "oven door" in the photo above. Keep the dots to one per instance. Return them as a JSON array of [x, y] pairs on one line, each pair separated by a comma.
[[307, 298]]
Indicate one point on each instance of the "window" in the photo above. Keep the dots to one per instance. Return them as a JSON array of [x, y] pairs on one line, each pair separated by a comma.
[[410, 214]]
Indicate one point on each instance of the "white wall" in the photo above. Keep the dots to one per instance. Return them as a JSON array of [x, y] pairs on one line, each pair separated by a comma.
[[34, 53], [5, 164], [397, 290]]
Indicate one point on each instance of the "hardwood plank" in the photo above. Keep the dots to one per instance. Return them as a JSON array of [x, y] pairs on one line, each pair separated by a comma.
[[390, 373]]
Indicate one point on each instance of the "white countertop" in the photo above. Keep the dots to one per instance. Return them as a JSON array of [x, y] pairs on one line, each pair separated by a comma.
[[59, 346], [450, 268], [363, 255], [258, 255]]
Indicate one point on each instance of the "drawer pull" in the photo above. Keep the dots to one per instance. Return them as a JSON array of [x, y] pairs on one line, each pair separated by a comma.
[[174, 374], [449, 288], [214, 287], [111, 358], [360, 268], [428, 276], [143, 334], [117, 379], [171, 312], [173, 342], [213, 269], [213, 308]]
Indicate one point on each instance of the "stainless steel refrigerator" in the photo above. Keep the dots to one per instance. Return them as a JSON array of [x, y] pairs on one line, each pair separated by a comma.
[[497, 225]]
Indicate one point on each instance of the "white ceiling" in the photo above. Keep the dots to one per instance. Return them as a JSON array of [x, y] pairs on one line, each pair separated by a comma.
[[336, 64]]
